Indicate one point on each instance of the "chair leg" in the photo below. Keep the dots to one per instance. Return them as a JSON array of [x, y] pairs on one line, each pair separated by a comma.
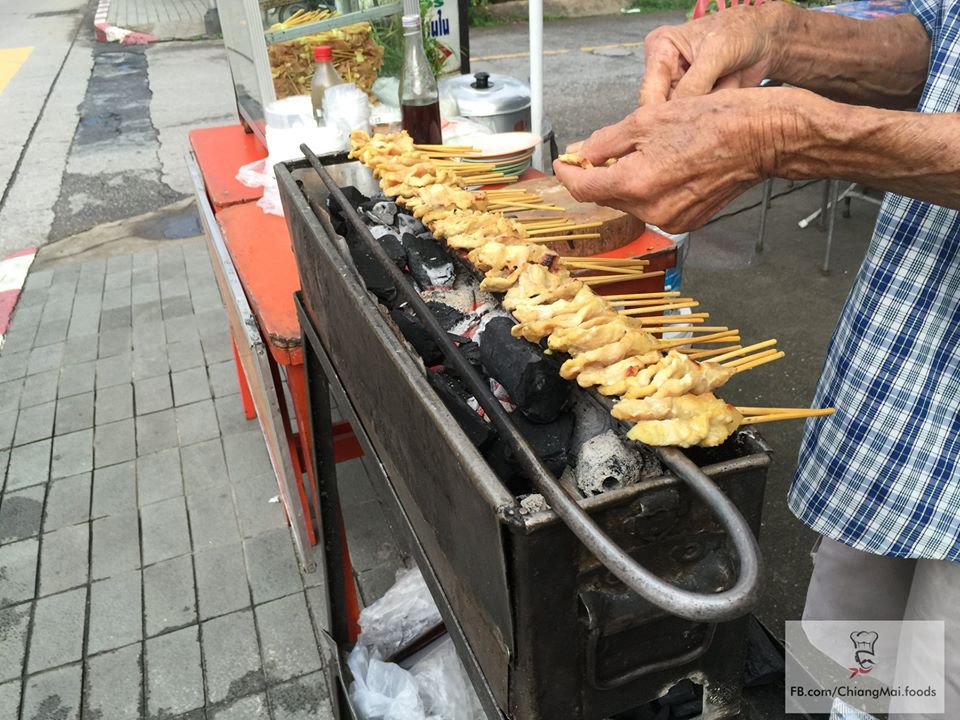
[[824, 205], [764, 206], [833, 187]]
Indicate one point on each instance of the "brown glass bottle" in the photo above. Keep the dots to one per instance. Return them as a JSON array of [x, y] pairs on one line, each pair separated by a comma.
[[419, 96]]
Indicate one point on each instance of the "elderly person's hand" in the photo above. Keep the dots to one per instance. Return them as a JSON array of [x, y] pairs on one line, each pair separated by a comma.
[[730, 49], [679, 162]]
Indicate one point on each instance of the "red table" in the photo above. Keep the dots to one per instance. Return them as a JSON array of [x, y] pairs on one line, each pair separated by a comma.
[[257, 275]]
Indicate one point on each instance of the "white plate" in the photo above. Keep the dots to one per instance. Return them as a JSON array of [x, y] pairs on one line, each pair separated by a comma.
[[501, 144]]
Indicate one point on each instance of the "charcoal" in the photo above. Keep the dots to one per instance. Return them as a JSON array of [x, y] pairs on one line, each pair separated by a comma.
[[417, 335], [454, 396], [447, 316], [381, 212], [410, 224], [391, 243], [427, 262], [355, 198], [375, 277], [532, 378], [549, 441]]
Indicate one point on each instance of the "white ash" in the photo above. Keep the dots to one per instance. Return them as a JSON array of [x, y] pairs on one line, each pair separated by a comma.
[[440, 277], [531, 504], [379, 231], [383, 212], [410, 224], [604, 463], [592, 420]]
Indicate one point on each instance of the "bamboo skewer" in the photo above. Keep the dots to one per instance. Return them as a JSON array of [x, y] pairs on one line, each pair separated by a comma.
[[672, 319], [749, 358], [511, 206], [725, 336], [559, 238], [690, 328], [659, 308], [759, 362], [748, 349], [580, 226], [580, 269], [706, 354], [593, 281], [798, 414], [651, 301], [605, 263], [641, 296]]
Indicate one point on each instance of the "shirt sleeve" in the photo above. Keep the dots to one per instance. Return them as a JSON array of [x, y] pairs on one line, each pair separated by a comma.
[[928, 13]]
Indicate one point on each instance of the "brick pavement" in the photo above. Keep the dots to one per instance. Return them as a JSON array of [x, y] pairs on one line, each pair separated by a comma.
[[165, 19], [144, 570]]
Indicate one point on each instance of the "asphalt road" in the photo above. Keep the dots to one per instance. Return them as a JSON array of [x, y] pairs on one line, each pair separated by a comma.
[[95, 133]]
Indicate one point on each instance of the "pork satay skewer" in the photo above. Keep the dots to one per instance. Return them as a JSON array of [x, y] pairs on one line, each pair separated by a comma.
[[648, 302]]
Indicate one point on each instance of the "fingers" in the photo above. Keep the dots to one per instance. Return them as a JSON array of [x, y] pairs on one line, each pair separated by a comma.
[[661, 68], [703, 74], [613, 141], [574, 147], [587, 185]]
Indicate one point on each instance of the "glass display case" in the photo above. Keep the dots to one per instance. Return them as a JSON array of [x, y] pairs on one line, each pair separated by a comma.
[[269, 45]]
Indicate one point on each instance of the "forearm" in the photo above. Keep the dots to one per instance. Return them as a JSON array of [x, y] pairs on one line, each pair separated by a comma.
[[910, 153], [879, 62]]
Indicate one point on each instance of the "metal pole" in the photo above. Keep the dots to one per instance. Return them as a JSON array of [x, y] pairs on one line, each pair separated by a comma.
[[536, 76]]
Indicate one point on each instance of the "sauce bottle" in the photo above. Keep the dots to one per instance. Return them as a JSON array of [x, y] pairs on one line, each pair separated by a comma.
[[324, 75], [419, 96]]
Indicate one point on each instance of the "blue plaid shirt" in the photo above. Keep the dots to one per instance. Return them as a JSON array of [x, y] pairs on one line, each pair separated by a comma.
[[883, 473]]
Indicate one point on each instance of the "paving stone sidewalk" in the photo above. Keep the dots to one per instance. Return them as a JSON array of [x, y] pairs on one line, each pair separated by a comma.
[[144, 570], [165, 19]]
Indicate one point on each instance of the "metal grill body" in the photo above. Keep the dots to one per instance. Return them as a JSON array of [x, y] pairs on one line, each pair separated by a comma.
[[554, 635]]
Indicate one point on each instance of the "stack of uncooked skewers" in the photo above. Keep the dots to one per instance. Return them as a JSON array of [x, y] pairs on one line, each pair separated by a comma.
[[615, 343]]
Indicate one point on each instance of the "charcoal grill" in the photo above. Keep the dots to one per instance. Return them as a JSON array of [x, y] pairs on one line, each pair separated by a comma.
[[584, 611]]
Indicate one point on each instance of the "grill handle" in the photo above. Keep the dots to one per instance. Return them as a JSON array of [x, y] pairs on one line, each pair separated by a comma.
[[701, 607]]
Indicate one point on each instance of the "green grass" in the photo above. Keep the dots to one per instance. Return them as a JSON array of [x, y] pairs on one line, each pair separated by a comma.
[[643, 6]]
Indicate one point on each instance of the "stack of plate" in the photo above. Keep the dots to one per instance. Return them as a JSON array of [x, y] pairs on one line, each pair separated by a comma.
[[510, 153]]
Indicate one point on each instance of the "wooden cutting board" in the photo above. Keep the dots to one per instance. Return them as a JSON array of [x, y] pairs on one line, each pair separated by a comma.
[[618, 228]]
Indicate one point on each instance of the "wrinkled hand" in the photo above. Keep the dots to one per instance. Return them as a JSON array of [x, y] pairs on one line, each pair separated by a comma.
[[681, 161], [731, 49]]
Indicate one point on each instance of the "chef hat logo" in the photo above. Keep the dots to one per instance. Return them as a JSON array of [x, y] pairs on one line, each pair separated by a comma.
[[864, 649]]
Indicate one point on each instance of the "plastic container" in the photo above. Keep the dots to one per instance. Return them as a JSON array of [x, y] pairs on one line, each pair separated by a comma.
[[325, 76], [673, 277], [291, 112], [346, 108]]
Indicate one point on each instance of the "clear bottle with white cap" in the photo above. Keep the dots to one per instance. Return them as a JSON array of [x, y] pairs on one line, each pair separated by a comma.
[[419, 96]]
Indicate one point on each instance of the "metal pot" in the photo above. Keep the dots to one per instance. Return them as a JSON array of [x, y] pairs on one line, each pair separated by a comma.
[[500, 102]]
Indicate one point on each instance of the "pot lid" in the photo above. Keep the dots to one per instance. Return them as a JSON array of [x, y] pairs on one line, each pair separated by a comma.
[[485, 94]]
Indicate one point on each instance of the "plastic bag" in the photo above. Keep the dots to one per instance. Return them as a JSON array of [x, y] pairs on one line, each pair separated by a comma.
[[382, 691], [405, 612], [435, 688], [284, 144], [445, 689]]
